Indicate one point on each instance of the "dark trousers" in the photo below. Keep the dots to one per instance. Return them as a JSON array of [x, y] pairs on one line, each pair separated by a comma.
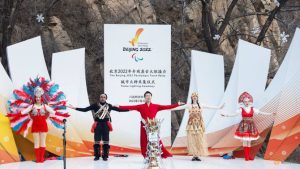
[[101, 134]]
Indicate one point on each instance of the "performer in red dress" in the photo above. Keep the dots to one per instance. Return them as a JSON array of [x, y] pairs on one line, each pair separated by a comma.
[[149, 110], [247, 130], [37, 102]]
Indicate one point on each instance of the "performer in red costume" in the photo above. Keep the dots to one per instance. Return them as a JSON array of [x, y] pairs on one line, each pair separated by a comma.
[[247, 130], [36, 103], [149, 110]]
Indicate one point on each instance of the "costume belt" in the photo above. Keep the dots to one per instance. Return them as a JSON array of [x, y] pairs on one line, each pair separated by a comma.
[[248, 118]]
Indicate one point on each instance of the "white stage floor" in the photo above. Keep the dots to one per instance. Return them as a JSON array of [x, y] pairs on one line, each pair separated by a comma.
[[136, 162]]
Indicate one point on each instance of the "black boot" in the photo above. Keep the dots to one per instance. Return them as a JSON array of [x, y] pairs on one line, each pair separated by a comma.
[[105, 152], [96, 152], [198, 159]]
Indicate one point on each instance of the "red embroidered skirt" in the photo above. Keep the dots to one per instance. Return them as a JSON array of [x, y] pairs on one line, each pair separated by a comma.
[[247, 130]]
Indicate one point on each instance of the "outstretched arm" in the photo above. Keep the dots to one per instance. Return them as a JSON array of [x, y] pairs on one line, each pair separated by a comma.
[[117, 109], [27, 110], [49, 109], [238, 112], [186, 106], [53, 112], [204, 106], [91, 107], [166, 107], [257, 111], [132, 107]]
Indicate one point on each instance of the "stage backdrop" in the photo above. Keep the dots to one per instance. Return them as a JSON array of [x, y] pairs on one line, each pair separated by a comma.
[[8, 148], [137, 58]]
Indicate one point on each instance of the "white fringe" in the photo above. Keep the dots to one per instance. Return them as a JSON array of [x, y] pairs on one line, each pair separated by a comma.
[[246, 138]]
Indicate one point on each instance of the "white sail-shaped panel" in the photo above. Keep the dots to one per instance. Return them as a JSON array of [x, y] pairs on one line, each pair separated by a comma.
[[26, 60], [68, 70], [286, 71]]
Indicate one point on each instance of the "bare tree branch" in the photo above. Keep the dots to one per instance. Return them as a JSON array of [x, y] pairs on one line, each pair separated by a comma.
[[268, 22], [227, 17], [181, 43], [10, 12], [206, 28]]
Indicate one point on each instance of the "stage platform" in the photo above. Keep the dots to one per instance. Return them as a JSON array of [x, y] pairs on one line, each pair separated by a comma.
[[136, 162]]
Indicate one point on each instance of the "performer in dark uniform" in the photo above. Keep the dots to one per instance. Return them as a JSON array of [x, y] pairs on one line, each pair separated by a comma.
[[102, 125]]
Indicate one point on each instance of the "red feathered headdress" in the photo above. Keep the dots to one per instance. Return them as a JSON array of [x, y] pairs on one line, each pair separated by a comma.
[[245, 95]]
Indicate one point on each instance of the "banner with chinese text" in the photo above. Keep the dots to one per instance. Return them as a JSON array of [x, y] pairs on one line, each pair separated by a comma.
[[137, 58]]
